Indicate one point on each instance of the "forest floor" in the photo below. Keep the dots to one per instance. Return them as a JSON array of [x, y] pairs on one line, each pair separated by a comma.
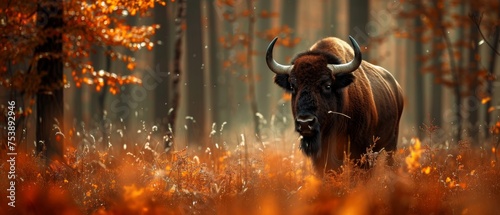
[[256, 178]]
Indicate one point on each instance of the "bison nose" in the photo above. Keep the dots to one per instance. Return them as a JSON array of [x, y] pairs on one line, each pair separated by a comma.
[[304, 124]]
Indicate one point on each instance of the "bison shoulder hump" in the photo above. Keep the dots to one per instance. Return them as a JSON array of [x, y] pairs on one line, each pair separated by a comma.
[[336, 47]]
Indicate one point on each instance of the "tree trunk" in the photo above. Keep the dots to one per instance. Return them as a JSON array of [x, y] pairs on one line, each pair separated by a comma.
[[101, 99], [358, 20], [49, 101], [473, 102], [437, 97], [97, 98], [162, 60], [264, 81], [172, 117], [436, 86], [329, 11], [217, 78], [250, 73], [196, 107], [456, 76], [288, 18], [419, 79], [227, 98], [489, 83]]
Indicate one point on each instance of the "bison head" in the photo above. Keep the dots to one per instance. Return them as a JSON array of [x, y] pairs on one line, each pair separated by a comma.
[[316, 80]]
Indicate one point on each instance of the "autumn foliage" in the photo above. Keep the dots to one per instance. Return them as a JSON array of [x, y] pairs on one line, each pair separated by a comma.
[[271, 178], [460, 39], [440, 21], [87, 26], [234, 174]]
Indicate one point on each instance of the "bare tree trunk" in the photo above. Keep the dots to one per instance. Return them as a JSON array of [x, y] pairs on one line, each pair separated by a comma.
[[162, 60], [177, 74], [437, 98], [419, 79], [49, 101], [217, 77], [329, 12], [288, 18], [100, 60], [264, 83], [251, 78], [18, 97], [473, 100], [489, 83], [437, 88], [358, 19], [228, 96], [476, 19], [101, 99], [195, 78], [457, 89]]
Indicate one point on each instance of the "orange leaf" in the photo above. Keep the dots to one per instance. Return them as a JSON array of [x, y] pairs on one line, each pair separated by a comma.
[[131, 66], [485, 100], [426, 170], [286, 97]]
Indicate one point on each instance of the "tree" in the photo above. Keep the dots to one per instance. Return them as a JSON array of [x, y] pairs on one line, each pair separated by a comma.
[[49, 97], [250, 67], [162, 63], [65, 32], [239, 42], [493, 44], [358, 19], [263, 78], [217, 79], [172, 117], [195, 79], [436, 116], [419, 102], [473, 101], [459, 47], [101, 115]]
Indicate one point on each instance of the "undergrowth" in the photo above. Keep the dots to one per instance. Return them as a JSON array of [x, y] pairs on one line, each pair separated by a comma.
[[257, 178]]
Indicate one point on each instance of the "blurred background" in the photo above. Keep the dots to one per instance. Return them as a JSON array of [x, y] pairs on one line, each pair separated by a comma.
[[203, 69]]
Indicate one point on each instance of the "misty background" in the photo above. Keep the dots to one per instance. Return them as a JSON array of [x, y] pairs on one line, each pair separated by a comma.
[[216, 60]]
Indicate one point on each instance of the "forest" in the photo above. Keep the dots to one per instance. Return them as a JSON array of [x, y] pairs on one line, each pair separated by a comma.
[[169, 107]]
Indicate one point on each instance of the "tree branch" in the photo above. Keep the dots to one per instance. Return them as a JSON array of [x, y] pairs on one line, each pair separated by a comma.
[[476, 19]]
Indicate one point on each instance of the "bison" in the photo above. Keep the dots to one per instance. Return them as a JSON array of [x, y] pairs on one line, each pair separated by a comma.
[[339, 107]]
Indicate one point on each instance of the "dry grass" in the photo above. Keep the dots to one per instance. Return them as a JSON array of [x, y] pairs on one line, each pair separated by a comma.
[[257, 179]]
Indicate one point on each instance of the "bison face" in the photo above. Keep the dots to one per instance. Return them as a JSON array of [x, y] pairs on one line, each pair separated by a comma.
[[316, 81], [316, 93]]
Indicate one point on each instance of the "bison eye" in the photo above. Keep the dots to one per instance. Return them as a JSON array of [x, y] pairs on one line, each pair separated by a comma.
[[327, 88]]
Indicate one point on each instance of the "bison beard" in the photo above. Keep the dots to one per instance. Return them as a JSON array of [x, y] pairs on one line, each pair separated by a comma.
[[310, 145], [339, 105]]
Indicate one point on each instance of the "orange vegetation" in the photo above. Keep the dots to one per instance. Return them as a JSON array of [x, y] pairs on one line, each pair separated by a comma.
[[264, 179], [89, 26]]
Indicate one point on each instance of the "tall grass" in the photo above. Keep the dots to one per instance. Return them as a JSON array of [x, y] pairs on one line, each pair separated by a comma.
[[235, 174]]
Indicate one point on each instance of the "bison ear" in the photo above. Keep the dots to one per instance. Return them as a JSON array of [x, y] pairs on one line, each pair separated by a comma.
[[343, 80], [282, 81]]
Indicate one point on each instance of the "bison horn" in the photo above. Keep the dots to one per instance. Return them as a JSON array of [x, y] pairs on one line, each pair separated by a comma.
[[351, 66], [272, 64]]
